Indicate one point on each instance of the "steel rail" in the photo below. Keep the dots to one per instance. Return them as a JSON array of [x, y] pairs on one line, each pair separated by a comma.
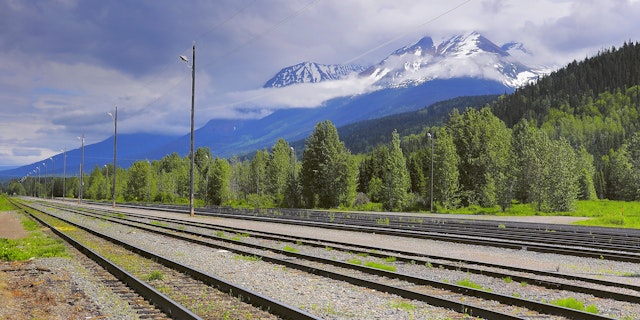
[[529, 244], [164, 303], [400, 256], [273, 306]]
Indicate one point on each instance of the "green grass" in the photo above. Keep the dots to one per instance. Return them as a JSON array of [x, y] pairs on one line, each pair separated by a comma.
[[240, 236], [154, 275], [290, 249], [381, 266], [605, 213], [572, 303], [36, 245], [5, 205], [610, 213], [158, 223], [401, 305], [470, 284]]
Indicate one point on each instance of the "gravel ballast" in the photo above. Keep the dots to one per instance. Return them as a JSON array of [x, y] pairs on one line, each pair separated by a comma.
[[336, 300]]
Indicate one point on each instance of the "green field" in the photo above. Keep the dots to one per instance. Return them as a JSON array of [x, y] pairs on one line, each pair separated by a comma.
[[605, 213]]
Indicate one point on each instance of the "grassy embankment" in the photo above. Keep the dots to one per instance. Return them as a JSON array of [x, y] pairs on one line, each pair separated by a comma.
[[36, 245], [606, 213]]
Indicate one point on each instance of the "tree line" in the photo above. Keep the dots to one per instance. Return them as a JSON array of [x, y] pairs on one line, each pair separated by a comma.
[[474, 159]]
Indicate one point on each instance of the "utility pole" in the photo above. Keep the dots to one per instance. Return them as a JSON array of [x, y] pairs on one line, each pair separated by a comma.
[[115, 145], [81, 165]]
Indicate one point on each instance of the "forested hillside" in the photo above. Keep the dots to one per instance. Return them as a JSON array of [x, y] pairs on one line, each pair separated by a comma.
[[593, 104], [573, 88], [362, 137]]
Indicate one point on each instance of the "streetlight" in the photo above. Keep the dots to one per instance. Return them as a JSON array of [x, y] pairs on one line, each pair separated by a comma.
[[45, 180], [431, 138], [53, 181], [193, 91], [115, 137], [64, 174], [36, 191], [81, 165]]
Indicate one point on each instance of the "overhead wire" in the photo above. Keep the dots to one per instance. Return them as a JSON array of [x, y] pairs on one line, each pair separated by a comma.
[[197, 38], [458, 6], [359, 56], [235, 49], [269, 30]]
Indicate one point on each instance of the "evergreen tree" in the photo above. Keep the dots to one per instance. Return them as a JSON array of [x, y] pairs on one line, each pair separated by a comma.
[[202, 163], [395, 177], [97, 189], [526, 145], [259, 173], [279, 170], [483, 145], [587, 173], [620, 176], [140, 183], [415, 166], [219, 189], [446, 175], [563, 177], [328, 175]]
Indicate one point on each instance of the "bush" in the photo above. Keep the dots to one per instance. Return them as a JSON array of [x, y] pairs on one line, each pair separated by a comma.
[[572, 303]]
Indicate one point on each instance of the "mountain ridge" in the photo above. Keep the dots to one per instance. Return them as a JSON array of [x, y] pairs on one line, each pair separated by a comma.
[[311, 72]]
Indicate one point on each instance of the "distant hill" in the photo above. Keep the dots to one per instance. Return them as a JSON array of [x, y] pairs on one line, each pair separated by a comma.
[[237, 137], [362, 137], [131, 147]]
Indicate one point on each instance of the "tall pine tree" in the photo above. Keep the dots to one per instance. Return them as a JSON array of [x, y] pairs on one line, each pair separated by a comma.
[[395, 177], [328, 175]]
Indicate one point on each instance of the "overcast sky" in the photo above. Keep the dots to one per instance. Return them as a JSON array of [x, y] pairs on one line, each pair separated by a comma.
[[66, 63]]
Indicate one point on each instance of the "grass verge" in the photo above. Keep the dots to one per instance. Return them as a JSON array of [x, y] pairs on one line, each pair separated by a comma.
[[36, 245]]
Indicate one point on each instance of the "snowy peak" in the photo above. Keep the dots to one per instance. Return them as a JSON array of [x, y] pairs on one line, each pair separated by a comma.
[[420, 48], [469, 44], [310, 72], [469, 55], [514, 47]]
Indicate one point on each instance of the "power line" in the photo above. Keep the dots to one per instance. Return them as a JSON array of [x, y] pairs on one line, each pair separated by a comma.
[[272, 28], [431, 20], [407, 33]]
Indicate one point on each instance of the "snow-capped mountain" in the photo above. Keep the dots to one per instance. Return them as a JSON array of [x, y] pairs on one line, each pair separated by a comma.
[[462, 56], [311, 72]]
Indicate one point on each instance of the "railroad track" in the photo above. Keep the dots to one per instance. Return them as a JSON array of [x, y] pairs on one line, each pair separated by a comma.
[[399, 280], [531, 276], [615, 244], [175, 289]]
